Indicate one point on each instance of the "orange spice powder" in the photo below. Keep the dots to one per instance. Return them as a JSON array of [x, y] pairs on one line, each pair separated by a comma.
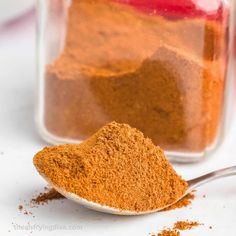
[[117, 167], [184, 202], [178, 226], [44, 197], [185, 225], [164, 77], [169, 232], [52, 194]]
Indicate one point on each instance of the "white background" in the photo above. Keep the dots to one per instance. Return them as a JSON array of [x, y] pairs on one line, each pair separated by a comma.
[[19, 181]]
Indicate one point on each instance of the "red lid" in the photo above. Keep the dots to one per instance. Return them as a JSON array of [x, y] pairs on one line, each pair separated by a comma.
[[210, 9]]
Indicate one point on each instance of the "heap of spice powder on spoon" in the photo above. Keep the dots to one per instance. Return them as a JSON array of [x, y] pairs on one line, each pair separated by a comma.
[[116, 167]]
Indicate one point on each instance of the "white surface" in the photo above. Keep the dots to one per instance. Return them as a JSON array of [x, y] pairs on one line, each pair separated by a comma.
[[11, 9], [19, 181]]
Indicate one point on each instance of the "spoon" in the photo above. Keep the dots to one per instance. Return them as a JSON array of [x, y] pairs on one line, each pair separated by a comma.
[[192, 184]]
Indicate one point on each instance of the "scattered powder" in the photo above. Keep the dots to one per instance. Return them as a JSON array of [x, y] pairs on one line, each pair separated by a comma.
[[27, 212], [117, 167], [169, 232], [185, 225], [42, 198], [178, 226], [24, 211], [184, 202]]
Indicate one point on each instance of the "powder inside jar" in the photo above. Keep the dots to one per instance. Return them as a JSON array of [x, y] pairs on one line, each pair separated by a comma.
[[164, 77], [116, 167]]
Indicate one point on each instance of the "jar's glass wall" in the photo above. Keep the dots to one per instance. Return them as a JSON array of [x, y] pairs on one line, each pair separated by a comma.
[[156, 65]]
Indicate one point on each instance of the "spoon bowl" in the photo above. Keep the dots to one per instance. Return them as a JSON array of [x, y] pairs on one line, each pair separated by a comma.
[[192, 184]]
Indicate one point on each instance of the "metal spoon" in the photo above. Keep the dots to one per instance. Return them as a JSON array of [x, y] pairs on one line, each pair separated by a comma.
[[192, 184]]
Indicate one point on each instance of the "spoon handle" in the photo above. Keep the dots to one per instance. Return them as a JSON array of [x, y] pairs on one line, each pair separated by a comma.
[[194, 183]]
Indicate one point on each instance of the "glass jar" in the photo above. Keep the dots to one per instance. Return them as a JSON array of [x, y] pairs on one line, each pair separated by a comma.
[[158, 65]]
